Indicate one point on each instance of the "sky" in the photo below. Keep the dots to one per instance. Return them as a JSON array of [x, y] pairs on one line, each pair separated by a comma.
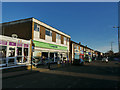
[[90, 23]]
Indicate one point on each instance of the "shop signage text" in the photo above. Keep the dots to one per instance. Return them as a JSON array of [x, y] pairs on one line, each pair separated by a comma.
[[48, 45]]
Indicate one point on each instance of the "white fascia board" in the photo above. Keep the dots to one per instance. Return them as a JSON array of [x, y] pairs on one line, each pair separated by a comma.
[[6, 38], [49, 27]]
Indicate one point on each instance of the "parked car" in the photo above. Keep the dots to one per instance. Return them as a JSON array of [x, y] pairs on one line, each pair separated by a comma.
[[87, 59], [105, 59], [78, 62]]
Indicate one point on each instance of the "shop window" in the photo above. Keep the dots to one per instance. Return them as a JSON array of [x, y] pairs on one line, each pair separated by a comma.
[[45, 55], [25, 51], [3, 50], [19, 54], [11, 52], [19, 51], [52, 57], [25, 54], [56, 56]]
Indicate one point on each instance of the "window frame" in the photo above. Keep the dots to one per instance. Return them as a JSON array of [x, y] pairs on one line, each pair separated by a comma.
[[58, 36], [49, 32], [37, 27]]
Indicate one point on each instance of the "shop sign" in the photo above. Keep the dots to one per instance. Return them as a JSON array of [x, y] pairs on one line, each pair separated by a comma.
[[53, 46], [19, 41], [25, 45], [19, 45], [12, 43], [3, 42], [48, 45]]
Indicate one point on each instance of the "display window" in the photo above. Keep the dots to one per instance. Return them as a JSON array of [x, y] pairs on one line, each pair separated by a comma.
[[25, 54], [19, 54], [3, 50], [37, 57], [56, 58], [19, 51], [11, 55], [52, 57], [11, 52]]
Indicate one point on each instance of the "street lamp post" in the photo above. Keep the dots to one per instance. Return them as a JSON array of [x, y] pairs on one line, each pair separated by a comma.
[[118, 39]]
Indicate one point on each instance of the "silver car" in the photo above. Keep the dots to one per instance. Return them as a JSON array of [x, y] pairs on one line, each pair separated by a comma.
[[105, 59]]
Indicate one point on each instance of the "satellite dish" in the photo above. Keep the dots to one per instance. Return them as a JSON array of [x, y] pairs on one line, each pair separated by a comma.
[[14, 35]]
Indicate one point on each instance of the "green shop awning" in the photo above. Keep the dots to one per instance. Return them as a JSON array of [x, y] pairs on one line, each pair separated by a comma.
[[48, 45]]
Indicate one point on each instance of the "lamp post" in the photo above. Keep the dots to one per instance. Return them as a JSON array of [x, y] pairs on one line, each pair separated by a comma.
[[118, 38]]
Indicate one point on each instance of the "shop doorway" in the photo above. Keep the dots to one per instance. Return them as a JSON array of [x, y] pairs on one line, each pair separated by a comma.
[[52, 57], [44, 55]]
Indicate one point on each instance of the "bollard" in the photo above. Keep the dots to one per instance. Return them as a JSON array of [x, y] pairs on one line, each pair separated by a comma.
[[62, 63], [48, 65]]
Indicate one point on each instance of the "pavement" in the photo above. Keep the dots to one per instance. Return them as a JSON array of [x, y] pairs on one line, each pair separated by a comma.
[[18, 72]]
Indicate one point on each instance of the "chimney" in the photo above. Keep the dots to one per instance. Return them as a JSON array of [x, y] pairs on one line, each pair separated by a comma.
[[80, 43]]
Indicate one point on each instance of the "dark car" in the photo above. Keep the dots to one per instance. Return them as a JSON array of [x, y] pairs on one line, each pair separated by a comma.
[[87, 59], [78, 62]]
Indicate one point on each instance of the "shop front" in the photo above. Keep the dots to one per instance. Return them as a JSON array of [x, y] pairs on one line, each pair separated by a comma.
[[77, 56], [82, 55], [13, 51], [46, 52]]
